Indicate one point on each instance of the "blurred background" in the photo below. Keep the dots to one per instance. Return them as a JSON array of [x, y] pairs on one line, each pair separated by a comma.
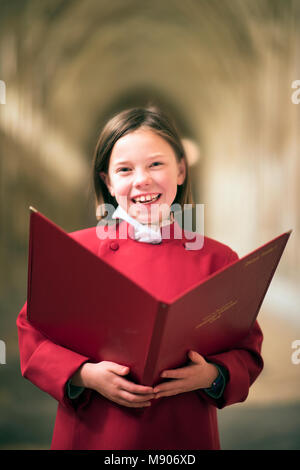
[[224, 71]]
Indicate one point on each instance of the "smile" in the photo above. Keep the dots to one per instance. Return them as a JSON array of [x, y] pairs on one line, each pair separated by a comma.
[[146, 199]]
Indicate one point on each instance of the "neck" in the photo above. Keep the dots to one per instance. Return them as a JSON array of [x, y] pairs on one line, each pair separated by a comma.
[[121, 213], [161, 221]]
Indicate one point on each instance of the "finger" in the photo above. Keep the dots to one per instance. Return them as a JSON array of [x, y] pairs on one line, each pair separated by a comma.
[[134, 388], [196, 357], [169, 393], [169, 386], [133, 405], [175, 373], [118, 368], [132, 398]]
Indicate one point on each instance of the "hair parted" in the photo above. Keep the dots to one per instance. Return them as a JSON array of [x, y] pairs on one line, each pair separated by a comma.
[[129, 120]]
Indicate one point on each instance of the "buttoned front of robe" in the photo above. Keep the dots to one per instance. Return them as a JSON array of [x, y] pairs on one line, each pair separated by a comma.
[[184, 421]]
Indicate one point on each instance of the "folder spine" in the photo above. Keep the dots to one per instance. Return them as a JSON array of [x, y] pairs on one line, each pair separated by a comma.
[[154, 349]]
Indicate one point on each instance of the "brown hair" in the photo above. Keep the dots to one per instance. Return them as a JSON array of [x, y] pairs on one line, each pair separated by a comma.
[[123, 123]]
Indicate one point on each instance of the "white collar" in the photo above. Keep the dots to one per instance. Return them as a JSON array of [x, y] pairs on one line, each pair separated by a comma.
[[142, 232]]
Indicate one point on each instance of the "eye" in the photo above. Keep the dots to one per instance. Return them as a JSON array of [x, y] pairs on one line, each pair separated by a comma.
[[156, 163], [123, 170]]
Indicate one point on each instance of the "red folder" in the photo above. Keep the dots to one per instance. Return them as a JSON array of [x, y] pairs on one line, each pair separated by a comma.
[[71, 301]]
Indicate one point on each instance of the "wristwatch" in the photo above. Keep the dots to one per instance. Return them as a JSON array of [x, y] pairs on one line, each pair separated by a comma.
[[217, 383], [217, 387]]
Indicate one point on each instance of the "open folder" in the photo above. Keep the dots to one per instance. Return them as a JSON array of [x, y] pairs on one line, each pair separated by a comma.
[[81, 302]]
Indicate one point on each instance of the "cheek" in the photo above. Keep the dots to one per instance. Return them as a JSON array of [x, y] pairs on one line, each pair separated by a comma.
[[170, 184], [122, 187]]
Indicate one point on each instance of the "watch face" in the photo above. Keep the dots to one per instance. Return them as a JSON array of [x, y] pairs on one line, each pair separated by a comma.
[[216, 382]]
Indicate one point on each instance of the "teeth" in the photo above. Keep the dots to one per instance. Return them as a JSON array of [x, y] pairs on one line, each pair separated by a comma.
[[146, 198]]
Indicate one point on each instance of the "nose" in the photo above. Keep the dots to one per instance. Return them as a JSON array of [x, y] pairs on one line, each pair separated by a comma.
[[142, 178]]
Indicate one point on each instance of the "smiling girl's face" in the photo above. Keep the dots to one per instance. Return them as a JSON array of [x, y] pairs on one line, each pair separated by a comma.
[[143, 175]]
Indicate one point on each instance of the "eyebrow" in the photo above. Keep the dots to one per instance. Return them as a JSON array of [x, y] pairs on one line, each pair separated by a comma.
[[125, 162]]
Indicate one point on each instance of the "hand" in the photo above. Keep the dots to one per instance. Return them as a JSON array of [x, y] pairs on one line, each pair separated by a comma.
[[107, 379], [198, 374]]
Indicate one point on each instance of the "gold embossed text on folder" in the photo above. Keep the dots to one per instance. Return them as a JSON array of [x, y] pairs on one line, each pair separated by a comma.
[[217, 313]]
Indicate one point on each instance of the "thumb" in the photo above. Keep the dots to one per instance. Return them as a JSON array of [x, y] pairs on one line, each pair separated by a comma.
[[123, 370], [119, 369], [195, 357]]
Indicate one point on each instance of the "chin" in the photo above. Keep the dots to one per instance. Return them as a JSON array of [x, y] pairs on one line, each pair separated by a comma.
[[153, 214]]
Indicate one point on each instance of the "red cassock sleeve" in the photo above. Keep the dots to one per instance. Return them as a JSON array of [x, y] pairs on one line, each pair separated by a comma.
[[243, 364], [48, 365]]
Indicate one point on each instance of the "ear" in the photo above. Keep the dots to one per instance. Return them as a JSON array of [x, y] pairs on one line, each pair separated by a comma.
[[105, 178], [181, 172]]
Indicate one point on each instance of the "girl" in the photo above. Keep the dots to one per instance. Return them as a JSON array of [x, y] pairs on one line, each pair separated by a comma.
[[140, 164]]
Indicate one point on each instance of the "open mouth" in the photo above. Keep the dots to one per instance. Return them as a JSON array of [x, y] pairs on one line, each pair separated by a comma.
[[146, 199]]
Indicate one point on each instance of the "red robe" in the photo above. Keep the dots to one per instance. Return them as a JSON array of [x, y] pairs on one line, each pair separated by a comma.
[[184, 421]]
